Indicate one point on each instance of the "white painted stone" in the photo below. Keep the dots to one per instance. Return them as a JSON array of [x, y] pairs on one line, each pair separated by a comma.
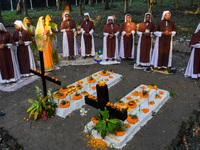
[[77, 104], [120, 141]]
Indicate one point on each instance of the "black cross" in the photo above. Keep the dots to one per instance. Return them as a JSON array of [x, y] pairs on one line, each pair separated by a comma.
[[102, 100], [43, 75]]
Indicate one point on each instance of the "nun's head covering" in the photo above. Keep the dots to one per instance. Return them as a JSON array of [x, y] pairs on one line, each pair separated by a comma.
[[110, 17], [164, 13], [87, 14], [2, 28], [126, 16], [20, 24], [148, 13], [67, 13], [197, 29]]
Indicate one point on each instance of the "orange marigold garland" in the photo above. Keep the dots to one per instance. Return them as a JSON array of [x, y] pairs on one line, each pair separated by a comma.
[[64, 104], [161, 92], [131, 104], [151, 103], [77, 96], [145, 110], [132, 119]]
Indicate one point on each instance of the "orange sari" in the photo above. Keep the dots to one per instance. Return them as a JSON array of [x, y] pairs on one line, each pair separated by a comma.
[[44, 43]]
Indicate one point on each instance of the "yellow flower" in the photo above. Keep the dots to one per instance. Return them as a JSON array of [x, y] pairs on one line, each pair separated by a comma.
[[125, 107], [96, 78], [129, 109], [139, 101], [86, 83]]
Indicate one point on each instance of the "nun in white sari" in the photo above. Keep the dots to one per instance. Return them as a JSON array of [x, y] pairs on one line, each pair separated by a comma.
[[193, 67], [164, 31], [87, 38], [127, 42], [68, 27], [25, 58], [110, 40]]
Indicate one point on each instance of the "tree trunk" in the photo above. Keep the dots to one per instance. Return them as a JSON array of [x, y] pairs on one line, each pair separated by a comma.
[[161, 2], [198, 9], [25, 8], [130, 3], [19, 10], [58, 5], [66, 5], [111, 3], [1, 18], [173, 2], [106, 4], [81, 7], [191, 2], [91, 2], [151, 4], [177, 4], [126, 6]]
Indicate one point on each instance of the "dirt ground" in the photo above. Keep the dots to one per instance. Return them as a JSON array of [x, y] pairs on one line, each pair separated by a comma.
[[58, 133]]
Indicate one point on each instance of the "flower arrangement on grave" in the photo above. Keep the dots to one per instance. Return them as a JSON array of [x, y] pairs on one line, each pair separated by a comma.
[[135, 93], [131, 104], [151, 103], [64, 89], [111, 71], [42, 106], [104, 73], [153, 86], [132, 118], [106, 79], [145, 110], [91, 79], [161, 92], [77, 96], [119, 131], [114, 106], [79, 86], [120, 102], [84, 93], [128, 98], [58, 95], [92, 97], [96, 119], [101, 83], [110, 77], [157, 96], [94, 87], [64, 104], [127, 125], [144, 94], [106, 125], [143, 87], [80, 82]]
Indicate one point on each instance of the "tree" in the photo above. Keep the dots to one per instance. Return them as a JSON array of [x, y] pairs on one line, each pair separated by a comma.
[[191, 2], [150, 4], [198, 9], [81, 2], [58, 3], [91, 2], [161, 2], [106, 4], [66, 5], [130, 3], [1, 19], [111, 3], [126, 6], [25, 8], [19, 11]]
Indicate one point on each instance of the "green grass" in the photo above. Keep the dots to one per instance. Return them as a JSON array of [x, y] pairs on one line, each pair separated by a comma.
[[186, 23]]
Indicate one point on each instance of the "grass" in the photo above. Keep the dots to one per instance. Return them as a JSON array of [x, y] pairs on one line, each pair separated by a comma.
[[186, 22]]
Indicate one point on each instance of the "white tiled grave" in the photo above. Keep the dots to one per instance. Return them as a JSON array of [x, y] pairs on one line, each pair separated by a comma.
[[77, 104], [120, 141]]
